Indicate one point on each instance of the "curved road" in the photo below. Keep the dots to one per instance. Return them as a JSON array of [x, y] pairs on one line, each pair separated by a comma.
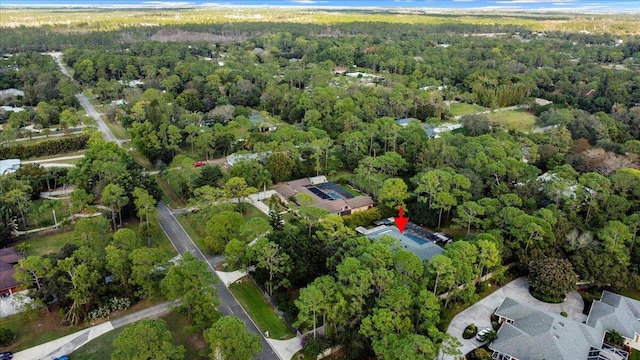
[[228, 304]]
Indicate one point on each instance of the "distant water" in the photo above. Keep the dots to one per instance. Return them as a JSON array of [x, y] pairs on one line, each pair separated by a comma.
[[516, 5]]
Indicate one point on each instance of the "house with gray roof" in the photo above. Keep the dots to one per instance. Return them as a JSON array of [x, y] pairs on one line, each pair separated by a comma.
[[528, 333], [405, 122], [422, 248], [261, 124], [617, 312]]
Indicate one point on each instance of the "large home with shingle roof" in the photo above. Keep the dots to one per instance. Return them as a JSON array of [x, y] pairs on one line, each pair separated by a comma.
[[528, 333], [325, 195], [8, 258]]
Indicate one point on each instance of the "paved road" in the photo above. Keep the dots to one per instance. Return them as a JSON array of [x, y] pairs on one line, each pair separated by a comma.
[[91, 111], [228, 304], [58, 57]]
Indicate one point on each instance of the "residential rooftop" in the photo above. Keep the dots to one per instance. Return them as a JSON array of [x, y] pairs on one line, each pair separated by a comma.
[[421, 247], [530, 333], [325, 194]]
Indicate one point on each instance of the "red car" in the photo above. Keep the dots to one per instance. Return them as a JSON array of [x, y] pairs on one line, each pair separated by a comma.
[[200, 163]]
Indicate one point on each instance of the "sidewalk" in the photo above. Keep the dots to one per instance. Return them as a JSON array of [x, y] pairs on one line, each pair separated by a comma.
[[230, 277], [69, 343]]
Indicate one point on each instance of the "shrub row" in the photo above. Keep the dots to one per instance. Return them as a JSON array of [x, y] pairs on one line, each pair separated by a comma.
[[45, 148]]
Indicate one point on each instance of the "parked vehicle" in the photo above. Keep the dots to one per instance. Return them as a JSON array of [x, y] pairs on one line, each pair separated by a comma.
[[7, 355], [63, 357], [200, 163], [482, 333]]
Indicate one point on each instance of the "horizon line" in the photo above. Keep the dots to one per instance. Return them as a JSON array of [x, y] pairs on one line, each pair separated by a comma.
[[307, 6]]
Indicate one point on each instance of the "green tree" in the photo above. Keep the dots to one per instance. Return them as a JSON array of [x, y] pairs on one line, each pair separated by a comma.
[[146, 340], [126, 239], [442, 267], [119, 264], [269, 257], [192, 281], [221, 228], [408, 346], [114, 197], [32, 271], [92, 230], [146, 264], [229, 339], [552, 277], [468, 214], [80, 199], [49, 204], [310, 303], [147, 211], [393, 193]]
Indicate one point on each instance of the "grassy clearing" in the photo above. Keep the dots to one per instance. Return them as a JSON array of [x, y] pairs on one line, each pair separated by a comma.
[[257, 306], [47, 244], [118, 131], [101, 347], [253, 212], [519, 120], [191, 226], [51, 243], [158, 238], [635, 355], [141, 159], [350, 190], [35, 327], [169, 196], [75, 153], [458, 109]]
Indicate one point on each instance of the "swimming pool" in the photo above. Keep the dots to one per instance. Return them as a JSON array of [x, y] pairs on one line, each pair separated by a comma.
[[416, 239]]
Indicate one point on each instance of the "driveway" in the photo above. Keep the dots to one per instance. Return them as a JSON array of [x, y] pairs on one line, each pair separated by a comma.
[[480, 312]]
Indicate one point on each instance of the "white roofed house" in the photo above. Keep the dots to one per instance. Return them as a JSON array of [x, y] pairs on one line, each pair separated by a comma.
[[9, 166]]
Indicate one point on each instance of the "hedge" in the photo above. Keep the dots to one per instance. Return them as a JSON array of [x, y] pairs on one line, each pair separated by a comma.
[[45, 148]]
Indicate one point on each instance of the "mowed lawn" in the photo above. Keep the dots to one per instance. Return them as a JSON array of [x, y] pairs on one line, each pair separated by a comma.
[[101, 347], [256, 305], [457, 109], [518, 120], [52, 243]]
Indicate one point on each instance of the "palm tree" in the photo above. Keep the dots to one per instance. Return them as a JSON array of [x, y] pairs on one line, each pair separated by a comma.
[[264, 179], [50, 204], [491, 336]]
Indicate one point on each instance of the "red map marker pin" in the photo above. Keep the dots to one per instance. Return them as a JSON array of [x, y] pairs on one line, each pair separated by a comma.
[[401, 221]]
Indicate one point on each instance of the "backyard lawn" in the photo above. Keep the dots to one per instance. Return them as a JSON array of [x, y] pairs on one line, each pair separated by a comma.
[[51, 243], [256, 305], [457, 109], [519, 120], [47, 244]]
